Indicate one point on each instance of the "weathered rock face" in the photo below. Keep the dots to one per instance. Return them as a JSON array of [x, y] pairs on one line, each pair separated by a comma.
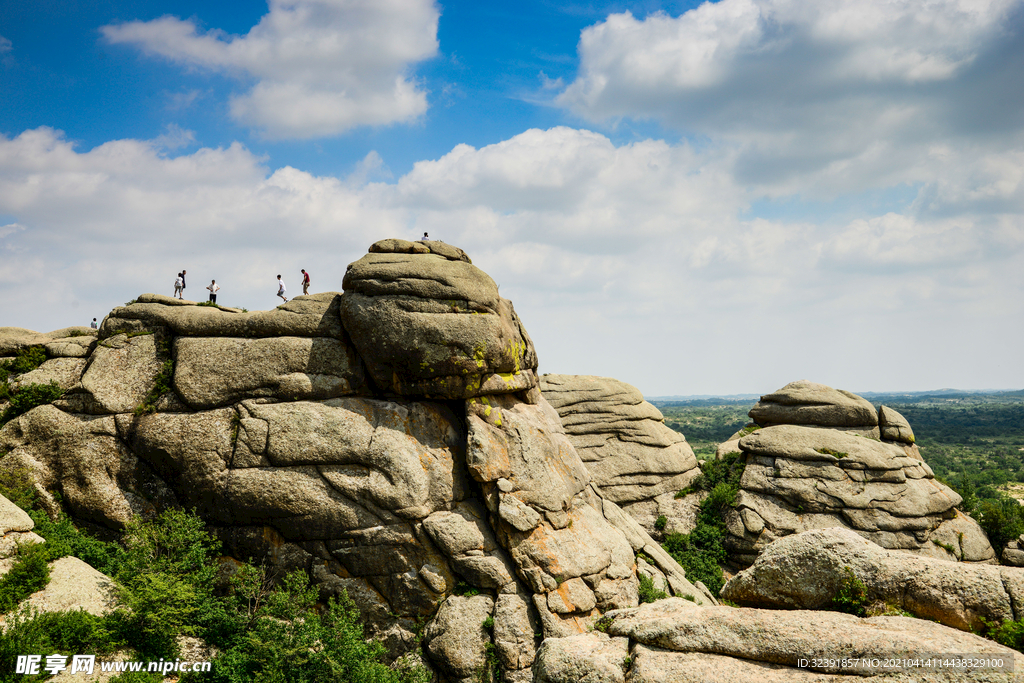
[[433, 324], [630, 453], [820, 460], [674, 640], [805, 571], [390, 441]]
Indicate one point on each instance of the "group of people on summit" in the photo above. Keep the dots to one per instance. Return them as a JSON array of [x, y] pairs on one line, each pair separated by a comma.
[[179, 286]]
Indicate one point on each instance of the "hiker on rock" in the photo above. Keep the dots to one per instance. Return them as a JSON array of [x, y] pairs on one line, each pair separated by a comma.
[[213, 287], [281, 289], [179, 284], [305, 281]]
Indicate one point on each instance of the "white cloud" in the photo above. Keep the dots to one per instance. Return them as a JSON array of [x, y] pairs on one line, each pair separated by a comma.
[[817, 98], [627, 261], [5, 45], [321, 66]]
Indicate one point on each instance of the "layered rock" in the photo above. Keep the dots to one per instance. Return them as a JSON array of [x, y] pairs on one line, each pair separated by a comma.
[[817, 457], [807, 571], [390, 441], [675, 640], [433, 324], [629, 451]]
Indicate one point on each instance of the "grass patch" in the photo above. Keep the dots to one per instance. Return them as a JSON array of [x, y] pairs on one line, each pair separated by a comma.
[[661, 522], [828, 451]]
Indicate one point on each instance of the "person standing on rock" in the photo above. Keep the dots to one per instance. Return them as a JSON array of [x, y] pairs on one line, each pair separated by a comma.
[[213, 287], [93, 324], [426, 237], [182, 280], [281, 289], [179, 284], [305, 281]]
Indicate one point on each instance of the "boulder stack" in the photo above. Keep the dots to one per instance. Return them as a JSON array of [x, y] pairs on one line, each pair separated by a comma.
[[391, 441], [817, 457]]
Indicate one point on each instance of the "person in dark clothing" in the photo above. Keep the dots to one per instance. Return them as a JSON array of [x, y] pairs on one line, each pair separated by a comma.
[[305, 281]]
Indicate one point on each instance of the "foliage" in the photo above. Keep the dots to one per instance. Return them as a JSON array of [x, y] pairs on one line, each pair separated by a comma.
[[287, 640], [828, 451], [65, 539], [27, 360], [207, 303], [648, 593], [28, 397], [29, 574], [661, 522], [702, 552], [463, 588], [16, 486], [604, 623], [165, 580], [1010, 634], [74, 631], [851, 596], [1002, 518]]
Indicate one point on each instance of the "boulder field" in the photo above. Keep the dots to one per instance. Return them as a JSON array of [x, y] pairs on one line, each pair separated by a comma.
[[395, 441]]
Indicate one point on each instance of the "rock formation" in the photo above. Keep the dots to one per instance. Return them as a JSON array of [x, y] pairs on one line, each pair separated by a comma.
[[825, 458], [806, 571], [635, 459], [674, 640], [391, 441]]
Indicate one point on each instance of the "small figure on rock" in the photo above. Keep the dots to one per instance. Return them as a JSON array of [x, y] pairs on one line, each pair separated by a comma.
[[178, 286], [183, 285], [93, 324], [425, 237], [305, 281], [281, 289], [213, 287]]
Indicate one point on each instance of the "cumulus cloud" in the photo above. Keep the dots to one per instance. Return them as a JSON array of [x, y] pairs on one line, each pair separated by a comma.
[[321, 67], [5, 45], [628, 260], [817, 97]]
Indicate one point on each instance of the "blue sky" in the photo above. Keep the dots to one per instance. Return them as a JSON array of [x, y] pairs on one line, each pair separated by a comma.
[[694, 198]]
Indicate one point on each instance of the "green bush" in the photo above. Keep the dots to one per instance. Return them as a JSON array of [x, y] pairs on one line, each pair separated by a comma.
[[287, 640], [661, 523], [16, 486], [851, 596], [29, 574], [648, 593], [1002, 519], [1010, 634], [162, 383], [27, 360], [30, 396], [702, 551], [33, 632]]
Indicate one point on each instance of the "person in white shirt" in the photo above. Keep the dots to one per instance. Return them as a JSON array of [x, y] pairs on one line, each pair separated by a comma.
[[179, 285], [281, 289], [93, 324], [213, 287]]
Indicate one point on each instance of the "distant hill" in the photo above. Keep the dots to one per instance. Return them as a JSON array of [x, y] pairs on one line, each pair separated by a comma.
[[876, 397]]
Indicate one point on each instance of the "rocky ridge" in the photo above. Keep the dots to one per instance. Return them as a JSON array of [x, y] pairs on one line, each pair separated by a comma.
[[391, 441]]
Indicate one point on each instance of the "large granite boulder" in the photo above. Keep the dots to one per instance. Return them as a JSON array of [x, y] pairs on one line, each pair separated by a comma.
[[816, 458], [809, 403], [433, 324], [629, 451], [807, 570], [390, 441]]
